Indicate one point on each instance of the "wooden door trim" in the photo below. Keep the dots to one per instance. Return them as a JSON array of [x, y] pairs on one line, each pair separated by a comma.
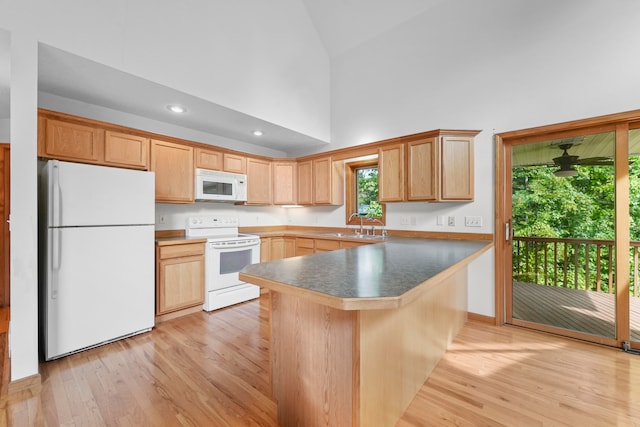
[[5, 262], [619, 122]]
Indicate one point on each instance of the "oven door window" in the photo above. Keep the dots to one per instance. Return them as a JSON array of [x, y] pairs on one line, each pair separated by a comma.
[[234, 261], [217, 188]]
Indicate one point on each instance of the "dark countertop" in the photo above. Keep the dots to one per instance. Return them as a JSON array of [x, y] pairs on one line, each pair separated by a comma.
[[370, 276]]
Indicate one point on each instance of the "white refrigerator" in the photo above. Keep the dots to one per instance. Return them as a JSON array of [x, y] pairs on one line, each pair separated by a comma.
[[98, 259]]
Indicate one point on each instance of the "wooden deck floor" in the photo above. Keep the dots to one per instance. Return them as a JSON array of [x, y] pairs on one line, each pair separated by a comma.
[[583, 311]]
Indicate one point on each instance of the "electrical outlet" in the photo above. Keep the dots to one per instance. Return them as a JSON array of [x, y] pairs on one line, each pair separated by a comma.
[[414, 220], [473, 221], [440, 220], [452, 221], [161, 219], [404, 220]]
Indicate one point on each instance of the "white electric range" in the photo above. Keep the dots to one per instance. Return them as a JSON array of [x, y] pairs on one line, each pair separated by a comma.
[[226, 253]]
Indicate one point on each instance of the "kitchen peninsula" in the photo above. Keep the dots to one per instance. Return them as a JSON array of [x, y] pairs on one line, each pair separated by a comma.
[[356, 332]]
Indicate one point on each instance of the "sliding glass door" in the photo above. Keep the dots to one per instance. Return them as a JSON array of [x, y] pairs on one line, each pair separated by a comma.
[[563, 236]]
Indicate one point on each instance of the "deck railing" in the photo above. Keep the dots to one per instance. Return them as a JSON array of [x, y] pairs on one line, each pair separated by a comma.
[[585, 264]]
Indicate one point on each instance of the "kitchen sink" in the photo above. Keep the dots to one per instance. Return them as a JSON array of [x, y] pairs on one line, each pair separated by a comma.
[[356, 236]]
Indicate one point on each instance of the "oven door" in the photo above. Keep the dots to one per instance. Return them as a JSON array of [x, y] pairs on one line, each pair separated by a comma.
[[225, 260]]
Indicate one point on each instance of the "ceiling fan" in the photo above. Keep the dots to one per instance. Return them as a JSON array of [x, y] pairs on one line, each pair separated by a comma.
[[566, 161]]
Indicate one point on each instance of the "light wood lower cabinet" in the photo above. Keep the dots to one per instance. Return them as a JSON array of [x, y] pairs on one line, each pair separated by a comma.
[[273, 248], [179, 277]]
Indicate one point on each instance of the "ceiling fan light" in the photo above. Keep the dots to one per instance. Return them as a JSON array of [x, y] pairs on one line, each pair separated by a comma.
[[565, 172]]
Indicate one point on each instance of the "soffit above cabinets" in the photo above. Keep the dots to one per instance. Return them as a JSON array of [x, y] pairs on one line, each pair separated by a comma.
[[66, 75]]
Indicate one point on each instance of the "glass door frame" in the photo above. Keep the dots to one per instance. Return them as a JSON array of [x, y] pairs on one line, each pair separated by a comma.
[[621, 124]]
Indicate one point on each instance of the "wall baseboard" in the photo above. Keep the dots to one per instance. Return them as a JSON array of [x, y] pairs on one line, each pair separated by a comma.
[[481, 318]]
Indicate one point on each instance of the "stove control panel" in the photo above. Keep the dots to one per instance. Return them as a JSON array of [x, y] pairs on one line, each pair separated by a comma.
[[211, 222]]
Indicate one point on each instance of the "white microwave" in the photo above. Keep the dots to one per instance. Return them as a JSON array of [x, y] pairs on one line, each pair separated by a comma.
[[216, 186]]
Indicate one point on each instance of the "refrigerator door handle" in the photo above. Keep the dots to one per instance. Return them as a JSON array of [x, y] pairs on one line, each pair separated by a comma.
[[56, 260], [56, 194]]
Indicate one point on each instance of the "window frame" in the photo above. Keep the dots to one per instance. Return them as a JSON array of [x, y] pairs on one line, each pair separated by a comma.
[[350, 192]]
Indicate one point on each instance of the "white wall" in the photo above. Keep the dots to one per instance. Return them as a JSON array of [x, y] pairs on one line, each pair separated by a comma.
[[494, 65], [5, 128], [23, 332], [261, 58]]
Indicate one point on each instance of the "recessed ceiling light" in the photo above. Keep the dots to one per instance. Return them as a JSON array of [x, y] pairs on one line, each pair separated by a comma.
[[175, 108], [257, 133]]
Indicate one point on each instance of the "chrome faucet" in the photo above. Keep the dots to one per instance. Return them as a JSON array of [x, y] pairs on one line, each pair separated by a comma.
[[373, 230], [361, 217]]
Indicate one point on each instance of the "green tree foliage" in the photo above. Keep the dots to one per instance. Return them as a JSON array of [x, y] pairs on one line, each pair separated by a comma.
[[581, 206], [368, 192], [577, 207]]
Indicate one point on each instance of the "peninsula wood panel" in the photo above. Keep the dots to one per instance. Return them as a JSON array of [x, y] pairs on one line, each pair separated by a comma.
[[121, 149], [399, 348], [312, 362]]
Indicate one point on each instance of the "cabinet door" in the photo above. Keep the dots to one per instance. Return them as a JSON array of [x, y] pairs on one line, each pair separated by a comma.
[[69, 141], [457, 168], [121, 149], [423, 169], [391, 173], [259, 182], [180, 283], [328, 182], [305, 182], [265, 249], [323, 245], [284, 183], [289, 247], [209, 159], [234, 163], [173, 166], [277, 248]]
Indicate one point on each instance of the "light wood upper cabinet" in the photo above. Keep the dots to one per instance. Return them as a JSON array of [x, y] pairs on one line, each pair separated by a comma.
[[320, 182], [285, 186], [234, 163], [438, 168], [328, 182], [173, 166], [179, 277], [391, 173], [121, 149], [305, 182], [422, 169], [208, 159], [259, 187], [70, 141], [457, 168]]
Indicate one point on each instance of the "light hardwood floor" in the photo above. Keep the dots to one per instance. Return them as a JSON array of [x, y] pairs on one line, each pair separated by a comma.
[[211, 369]]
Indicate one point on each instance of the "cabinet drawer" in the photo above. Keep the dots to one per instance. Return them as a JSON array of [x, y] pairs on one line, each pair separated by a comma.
[[327, 245], [176, 251], [304, 251], [302, 242]]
